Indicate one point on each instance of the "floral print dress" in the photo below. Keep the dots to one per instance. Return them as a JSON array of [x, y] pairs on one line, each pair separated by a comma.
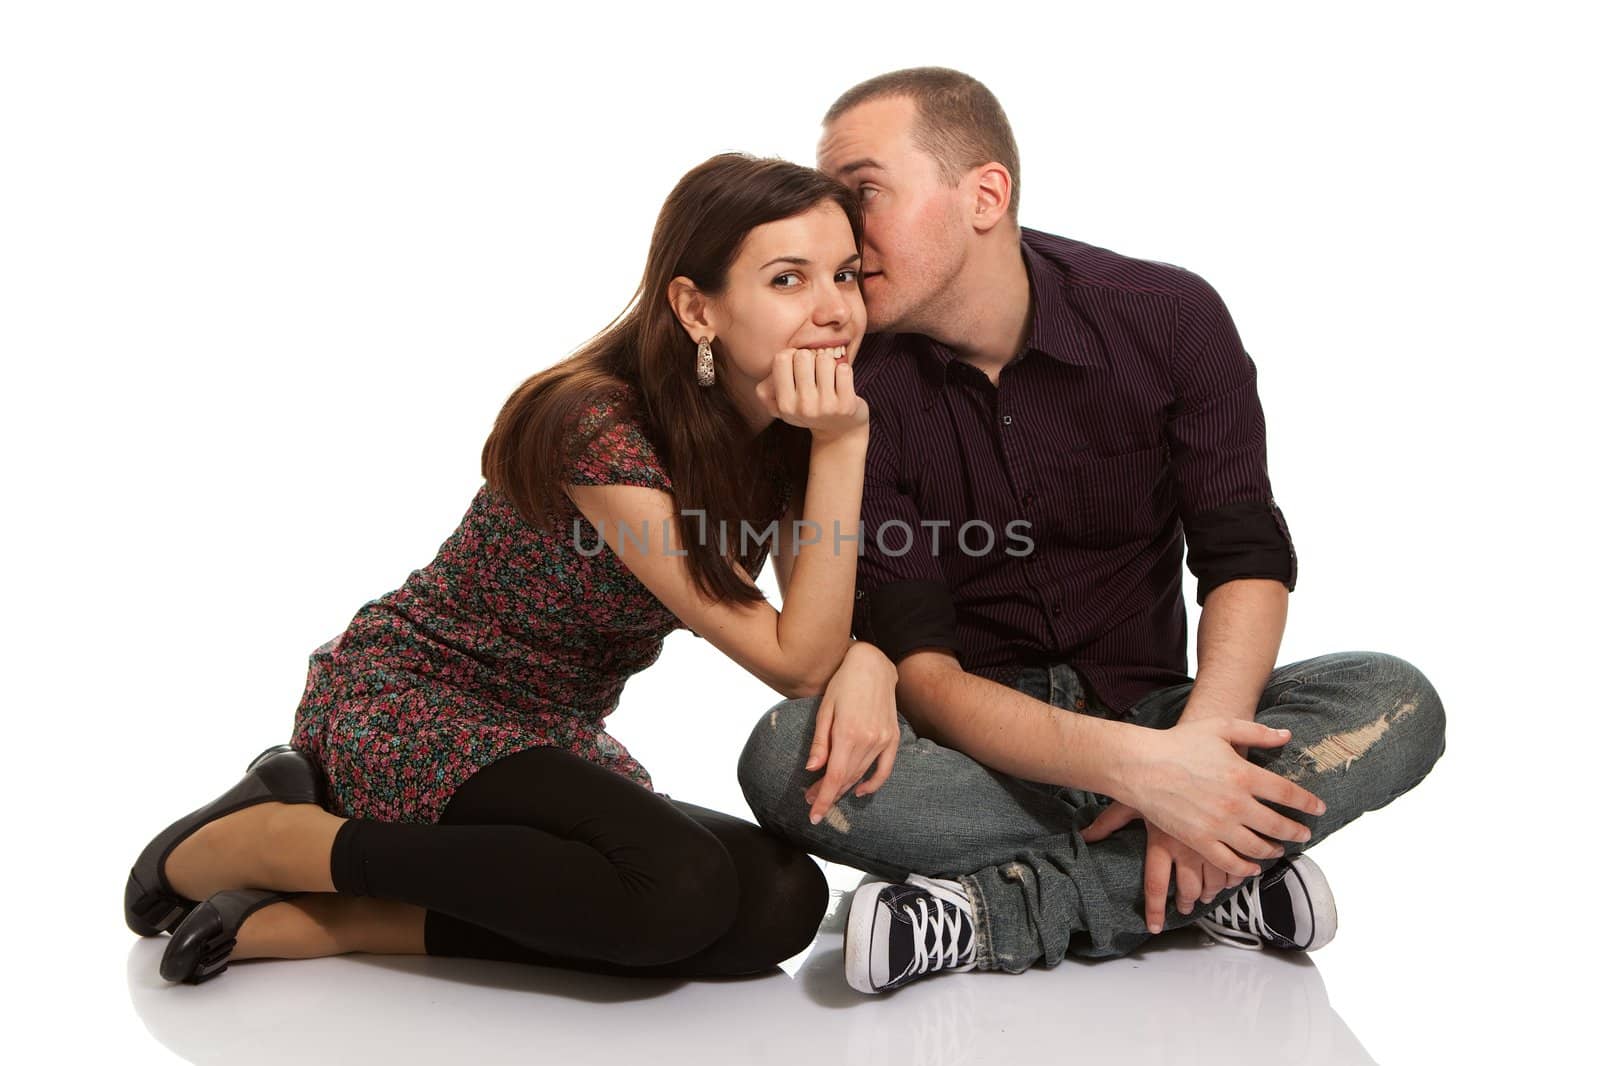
[[510, 638]]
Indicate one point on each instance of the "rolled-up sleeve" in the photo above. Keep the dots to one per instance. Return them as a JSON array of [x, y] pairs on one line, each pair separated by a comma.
[[902, 600], [1216, 433]]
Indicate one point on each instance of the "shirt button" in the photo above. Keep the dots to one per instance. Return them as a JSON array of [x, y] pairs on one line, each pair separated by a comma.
[[1005, 420], [1027, 499], [1055, 610]]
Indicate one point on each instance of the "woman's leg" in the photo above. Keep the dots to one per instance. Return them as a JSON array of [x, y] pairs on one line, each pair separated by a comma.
[[575, 860], [557, 854], [314, 925], [623, 905], [782, 899]]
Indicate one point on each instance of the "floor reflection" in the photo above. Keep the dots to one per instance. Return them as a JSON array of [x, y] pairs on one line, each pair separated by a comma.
[[1181, 1000]]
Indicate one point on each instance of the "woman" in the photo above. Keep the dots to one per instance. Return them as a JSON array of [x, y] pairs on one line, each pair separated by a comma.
[[448, 788]]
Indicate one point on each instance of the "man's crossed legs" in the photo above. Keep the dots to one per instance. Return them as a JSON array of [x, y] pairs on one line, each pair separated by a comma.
[[1366, 728]]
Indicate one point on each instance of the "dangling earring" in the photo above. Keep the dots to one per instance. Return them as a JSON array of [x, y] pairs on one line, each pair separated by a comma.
[[705, 372]]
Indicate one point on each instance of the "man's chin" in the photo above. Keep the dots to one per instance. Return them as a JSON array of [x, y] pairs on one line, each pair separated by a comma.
[[882, 321]]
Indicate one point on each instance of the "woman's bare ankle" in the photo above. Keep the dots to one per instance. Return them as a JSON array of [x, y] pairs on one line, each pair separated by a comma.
[[295, 928], [298, 848]]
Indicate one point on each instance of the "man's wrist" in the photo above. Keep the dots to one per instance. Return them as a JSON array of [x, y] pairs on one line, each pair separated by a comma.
[[1199, 710], [1109, 753], [1201, 706]]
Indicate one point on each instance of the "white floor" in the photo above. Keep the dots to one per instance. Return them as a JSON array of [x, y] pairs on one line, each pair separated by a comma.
[[1425, 968], [1186, 1001]]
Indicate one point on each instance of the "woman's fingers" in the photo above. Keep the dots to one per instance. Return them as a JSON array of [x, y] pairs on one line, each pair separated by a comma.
[[844, 382], [1189, 881], [860, 762], [831, 787], [782, 376], [1108, 821], [825, 363], [844, 379], [849, 761], [885, 765], [805, 381], [813, 390], [766, 395], [1157, 876], [843, 770], [819, 736]]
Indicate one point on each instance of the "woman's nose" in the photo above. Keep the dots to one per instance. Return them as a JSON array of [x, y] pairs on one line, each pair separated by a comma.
[[831, 308]]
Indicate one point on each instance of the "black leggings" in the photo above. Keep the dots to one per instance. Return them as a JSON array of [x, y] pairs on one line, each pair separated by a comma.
[[544, 857]]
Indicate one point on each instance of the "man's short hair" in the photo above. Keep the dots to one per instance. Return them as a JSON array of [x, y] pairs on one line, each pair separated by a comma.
[[959, 122]]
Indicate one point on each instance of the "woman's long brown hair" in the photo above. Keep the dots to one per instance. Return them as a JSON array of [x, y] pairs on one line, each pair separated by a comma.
[[701, 438]]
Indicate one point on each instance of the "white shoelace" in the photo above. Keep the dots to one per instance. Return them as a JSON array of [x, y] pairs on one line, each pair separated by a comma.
[[1239, 920], [943, 921]]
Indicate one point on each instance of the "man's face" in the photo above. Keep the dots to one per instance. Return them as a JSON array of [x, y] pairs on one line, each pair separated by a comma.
[[914, 238]]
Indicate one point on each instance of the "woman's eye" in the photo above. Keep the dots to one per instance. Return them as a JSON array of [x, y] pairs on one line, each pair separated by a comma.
[[854, 273], [780, 277]]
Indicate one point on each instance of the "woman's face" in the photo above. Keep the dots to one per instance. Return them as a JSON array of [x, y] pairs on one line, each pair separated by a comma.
[[794, 284]]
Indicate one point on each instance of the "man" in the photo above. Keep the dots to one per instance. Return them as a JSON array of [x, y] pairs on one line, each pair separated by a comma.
[[1051, 423]]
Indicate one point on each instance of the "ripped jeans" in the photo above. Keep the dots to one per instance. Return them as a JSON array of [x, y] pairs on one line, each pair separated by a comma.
[[1366, 727]]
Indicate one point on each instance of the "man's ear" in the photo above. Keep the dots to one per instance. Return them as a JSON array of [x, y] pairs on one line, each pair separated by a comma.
[[991, 195], [692, 307]]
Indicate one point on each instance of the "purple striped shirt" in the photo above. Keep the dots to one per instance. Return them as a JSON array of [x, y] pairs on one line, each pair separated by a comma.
[[1044, 519]]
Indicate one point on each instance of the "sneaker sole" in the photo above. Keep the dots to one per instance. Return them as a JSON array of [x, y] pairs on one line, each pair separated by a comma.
[[858, 937], [1321, 897]]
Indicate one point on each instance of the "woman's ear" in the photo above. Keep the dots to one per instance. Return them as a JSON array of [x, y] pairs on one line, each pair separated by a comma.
[[692, 307]]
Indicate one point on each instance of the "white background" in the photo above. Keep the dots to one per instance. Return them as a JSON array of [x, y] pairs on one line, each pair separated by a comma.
[[268, 271]]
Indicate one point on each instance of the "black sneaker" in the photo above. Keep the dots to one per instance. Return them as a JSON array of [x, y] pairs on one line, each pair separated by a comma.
[[1289, 907], [898, 933]]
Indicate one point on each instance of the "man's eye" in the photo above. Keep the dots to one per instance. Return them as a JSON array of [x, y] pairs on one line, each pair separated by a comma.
[[864, 190]]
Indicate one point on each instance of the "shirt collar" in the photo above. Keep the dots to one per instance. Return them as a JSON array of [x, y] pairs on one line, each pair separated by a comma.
[[1056, 329]]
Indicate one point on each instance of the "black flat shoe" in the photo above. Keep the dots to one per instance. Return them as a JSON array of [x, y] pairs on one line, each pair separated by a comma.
[[200, 945], [281, 773]]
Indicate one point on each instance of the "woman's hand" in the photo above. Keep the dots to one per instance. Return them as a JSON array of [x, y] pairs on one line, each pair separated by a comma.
[[1168, 861], [856, 723], [1190, 782], [815, 390]]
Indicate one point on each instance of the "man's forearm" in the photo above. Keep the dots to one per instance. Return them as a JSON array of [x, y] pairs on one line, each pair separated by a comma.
[[1237, 641], [1010, 731]]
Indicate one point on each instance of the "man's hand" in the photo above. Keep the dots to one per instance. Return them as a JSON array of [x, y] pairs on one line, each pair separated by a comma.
[[1190, 781], [1164, 853]]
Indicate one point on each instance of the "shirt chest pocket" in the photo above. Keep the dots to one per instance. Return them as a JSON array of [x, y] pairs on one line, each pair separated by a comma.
[[1115, 499]]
